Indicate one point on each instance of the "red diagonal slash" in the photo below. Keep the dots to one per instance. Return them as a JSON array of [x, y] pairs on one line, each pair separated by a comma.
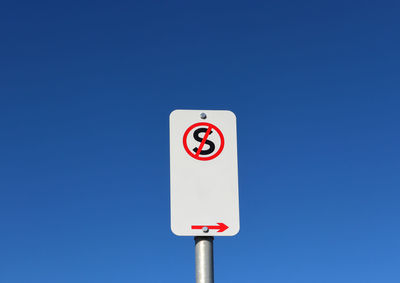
[[221, 227], [203, 141]]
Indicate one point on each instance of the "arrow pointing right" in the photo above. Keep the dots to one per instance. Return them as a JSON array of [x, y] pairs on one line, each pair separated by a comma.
[[221, 227]]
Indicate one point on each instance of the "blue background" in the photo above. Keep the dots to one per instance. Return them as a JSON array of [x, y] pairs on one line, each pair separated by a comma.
[[85, 93]]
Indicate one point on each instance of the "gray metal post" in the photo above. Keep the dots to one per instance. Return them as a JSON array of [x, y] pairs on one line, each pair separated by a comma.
[[204, 259]]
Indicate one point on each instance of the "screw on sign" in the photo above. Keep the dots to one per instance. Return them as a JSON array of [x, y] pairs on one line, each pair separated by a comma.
[[200, 152]]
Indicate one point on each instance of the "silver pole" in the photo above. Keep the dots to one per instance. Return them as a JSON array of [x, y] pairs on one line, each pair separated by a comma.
[[204, 259]]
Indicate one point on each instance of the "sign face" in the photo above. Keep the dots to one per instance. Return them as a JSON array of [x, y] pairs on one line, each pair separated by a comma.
[[204, 174]]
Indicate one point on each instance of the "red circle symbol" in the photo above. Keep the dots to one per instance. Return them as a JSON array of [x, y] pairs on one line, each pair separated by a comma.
[[197, 152]]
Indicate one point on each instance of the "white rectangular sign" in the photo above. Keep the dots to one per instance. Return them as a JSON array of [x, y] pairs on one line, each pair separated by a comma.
[[204, 174]]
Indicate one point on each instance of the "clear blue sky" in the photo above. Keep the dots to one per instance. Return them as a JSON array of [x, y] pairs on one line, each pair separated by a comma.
[[85, 93]]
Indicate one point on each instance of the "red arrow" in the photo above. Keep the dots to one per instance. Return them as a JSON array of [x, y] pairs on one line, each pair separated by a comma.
[[221, 227]]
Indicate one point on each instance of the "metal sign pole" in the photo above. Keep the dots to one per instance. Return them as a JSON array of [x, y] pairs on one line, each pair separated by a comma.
[[204, 259]]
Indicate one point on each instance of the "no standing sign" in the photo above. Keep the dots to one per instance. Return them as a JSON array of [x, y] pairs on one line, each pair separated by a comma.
[[204, 177]]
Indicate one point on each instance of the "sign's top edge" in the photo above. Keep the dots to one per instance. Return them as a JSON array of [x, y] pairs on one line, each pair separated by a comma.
[[200, 110], [179, 109]]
